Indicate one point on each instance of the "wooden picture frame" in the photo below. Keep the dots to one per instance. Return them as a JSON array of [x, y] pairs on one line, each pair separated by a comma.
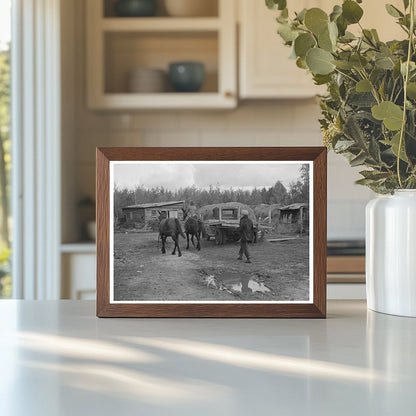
[[314, 306]]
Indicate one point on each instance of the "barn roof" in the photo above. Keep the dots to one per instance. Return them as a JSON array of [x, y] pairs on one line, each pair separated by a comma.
[[154, 205]]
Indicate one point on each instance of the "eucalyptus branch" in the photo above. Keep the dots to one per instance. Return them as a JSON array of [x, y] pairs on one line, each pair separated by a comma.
[[373, 88], [406, 80], [346, 75]]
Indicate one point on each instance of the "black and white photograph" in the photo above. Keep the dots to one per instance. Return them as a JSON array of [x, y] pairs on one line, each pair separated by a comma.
[[186, 231]]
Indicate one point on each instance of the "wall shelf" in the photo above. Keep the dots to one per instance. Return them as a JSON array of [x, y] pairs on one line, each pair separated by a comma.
[[81, 247], [116, 46], [160, 24]]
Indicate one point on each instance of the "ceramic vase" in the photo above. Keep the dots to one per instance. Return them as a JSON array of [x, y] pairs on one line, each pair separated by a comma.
[[391, 253]]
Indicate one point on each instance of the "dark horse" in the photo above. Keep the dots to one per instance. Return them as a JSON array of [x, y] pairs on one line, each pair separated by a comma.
[[193, 227], [170, 227]]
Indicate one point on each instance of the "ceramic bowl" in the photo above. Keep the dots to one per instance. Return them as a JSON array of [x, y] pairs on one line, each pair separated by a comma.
[[135, 8], [186, 76], [147, 80]]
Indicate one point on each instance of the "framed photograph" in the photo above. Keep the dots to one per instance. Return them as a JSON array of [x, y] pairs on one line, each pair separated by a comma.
[[211, 232]]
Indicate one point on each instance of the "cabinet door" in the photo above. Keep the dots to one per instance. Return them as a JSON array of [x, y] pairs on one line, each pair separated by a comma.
[[265, 68], [78, 276]]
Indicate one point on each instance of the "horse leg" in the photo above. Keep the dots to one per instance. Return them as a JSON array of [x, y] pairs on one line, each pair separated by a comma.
[[187, 241], [174, 246], [177, 244], [198, 246], [192, 239], [163, 244]]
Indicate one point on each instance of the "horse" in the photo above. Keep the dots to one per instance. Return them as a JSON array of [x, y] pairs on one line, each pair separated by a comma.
[[193, 227], [170, 227]]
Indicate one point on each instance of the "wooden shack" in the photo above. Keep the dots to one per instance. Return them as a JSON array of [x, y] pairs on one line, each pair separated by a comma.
[[296, 214], [142, 214]]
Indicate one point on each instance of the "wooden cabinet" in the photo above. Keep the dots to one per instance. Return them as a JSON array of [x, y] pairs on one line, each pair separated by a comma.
[[265, 69], [118, 45]]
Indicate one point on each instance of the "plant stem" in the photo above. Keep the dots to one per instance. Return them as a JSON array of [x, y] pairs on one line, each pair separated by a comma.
[[405, 81]]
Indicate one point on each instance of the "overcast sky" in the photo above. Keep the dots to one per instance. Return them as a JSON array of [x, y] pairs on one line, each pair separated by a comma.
[[174, 176]]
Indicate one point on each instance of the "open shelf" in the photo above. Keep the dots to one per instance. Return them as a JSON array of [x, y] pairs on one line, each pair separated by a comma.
[[119, 45], [210, 7], [160, 24], [126, 51]]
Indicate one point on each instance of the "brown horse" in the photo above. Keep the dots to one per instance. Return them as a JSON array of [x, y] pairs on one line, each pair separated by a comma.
[[193, 227], [170, 227]]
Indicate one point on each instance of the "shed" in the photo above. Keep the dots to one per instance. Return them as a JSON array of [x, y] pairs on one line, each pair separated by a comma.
[[296, 214], [268, 213], [143, 213]]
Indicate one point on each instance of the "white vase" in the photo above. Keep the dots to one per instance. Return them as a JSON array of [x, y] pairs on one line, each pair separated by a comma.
[[391, 253]]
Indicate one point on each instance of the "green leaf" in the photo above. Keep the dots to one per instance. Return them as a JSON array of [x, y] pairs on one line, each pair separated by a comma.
[[393, 11], [276, 4], [287, 33], [351, 11], [363, 86], [343, 145], [319, 61], [406, 4], [321, 79], [368, 36], [347, 37], [358, 61], [384, 62], [411, 90], [358, 160], [394, 145], [301, 15], [354, 132], [325, 42], [375, 35], [303, 43], [345, 65], [336, 12], [301, 63], [316, 20], [388, 112], [342, 25], [374, 175]]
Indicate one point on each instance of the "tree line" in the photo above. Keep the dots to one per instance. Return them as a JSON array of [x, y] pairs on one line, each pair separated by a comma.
[[297, 191]]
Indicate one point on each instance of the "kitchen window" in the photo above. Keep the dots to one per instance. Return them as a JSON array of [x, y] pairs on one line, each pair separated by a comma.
[[5, 149]]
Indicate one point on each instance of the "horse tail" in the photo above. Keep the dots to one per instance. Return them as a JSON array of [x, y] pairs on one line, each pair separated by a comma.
[[178, 225]]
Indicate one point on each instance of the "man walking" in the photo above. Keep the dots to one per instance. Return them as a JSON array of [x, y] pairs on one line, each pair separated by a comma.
[[246, 230]]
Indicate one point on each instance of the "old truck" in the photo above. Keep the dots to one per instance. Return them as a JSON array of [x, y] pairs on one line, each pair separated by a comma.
[[221, 221]]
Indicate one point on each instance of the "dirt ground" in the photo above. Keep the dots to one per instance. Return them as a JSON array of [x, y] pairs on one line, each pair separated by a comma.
[[279, 270]]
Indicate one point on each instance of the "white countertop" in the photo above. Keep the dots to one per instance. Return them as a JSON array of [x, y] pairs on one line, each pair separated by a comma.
[[57, 358]]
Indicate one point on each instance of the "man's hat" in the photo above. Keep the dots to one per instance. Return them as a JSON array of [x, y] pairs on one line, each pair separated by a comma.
[[244, 212]]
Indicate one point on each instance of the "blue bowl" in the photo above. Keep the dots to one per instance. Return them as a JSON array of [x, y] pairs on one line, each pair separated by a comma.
[[186, 76], [135, 8]]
